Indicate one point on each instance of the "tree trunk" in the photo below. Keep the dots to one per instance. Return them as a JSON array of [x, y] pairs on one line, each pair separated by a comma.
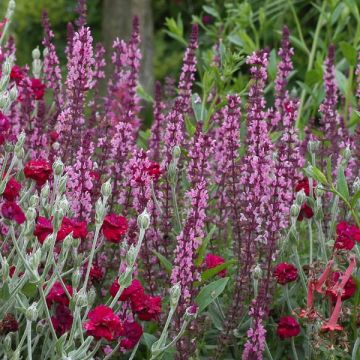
[[117, 22]]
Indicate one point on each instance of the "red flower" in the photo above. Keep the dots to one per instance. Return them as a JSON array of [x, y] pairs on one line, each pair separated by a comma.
[[103, 323], [287, 327], [16, 74], [305, 211], [53, 136], [346, 235], [145, 306], [38, 88], [96, 273], [348, 291], [12, 211], [63, 319], [133, 332], [212, 261], [4, 127], [68, 226], [43, 228], [285, 273], [8, 324], [114, 227], [57, 294], [38, 170], [131, 291], [154, 170], [12, 190]]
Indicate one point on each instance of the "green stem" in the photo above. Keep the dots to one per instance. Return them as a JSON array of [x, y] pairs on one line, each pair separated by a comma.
[[28, 334], [176, 209], [288, 298], [47, 311], [267, 351], [294, 349], [298, 26]]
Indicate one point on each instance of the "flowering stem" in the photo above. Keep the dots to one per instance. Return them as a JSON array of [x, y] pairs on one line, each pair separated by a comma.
[[97, 231], [133, 353], [28, 334], [288, 298], [310, 242], [176, 209], [294, 349], [47, 312], [156, 202], [267, 350], [298, 264]]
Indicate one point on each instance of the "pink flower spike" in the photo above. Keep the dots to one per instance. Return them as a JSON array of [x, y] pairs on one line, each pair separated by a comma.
[[332, 324], [320, 282]]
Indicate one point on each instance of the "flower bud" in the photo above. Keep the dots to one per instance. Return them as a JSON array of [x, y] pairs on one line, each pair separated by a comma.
[[99, 212], [81, 299], [313, 146], [4, 269], [11, 6], [20, 153], [172, 173], [13, 93], [300, 197], [131, 255], [40, 327], [34, 260], [58, 167], [143, 220], [176, 152], [106, 189], [36, 54], [76, 243], [58, 216], [20, 140], [294, 210], [4, 99], [64, 205], [356, 185], [75, 278], [257, 272], [91, 296], [191, 312], [319, 192], [68, 241], [49, 240], [175, 293], [7, 66], [55, 146], [347, 153], [62, 184], [125, 278], [32, 312], [45, 190]]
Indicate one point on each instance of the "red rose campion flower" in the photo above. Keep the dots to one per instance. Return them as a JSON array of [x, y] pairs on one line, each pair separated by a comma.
[[131, 291], [103, 323], [68, 226], [133, 332], [146, 307], [349, 288], [12, 211], [285, 273], [306, 211], [12, 190], [38, 170], [114, 227], [96, 273], [212, 261], [53, 136], [4, 127], [57, 294], [154, 170], [346, 235], [38, 88], [16, 74], [287, 327], [43, 228], [62, 320], [8, 324]]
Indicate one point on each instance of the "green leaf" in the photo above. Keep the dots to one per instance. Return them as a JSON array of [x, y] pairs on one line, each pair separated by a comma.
[[341, 81], [144, 94], [197, 106], [317, 174], [211, 11], [341, 184], [164, 262], [29, 290], [329, 169], [355, 199], [4, 292], [313, 77], [210, 292], [349, 52], [202, 249], [210, 273], [272, 64], [148, 340], [190, 127]]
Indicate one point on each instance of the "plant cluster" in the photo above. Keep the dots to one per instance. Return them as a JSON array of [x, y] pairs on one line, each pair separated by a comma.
[[221, 232]]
